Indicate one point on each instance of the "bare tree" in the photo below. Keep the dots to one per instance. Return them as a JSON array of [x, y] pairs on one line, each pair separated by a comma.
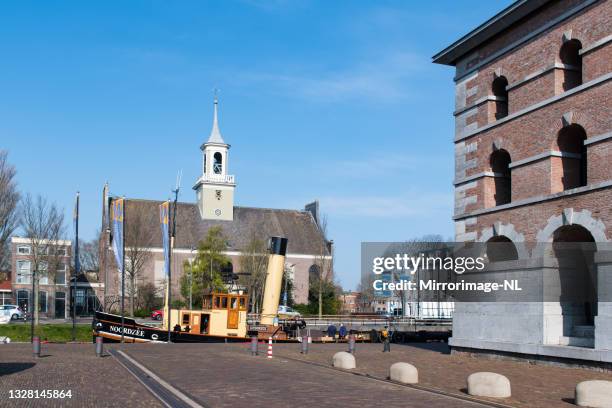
[[89, 255], [253, 263], [324, 263], [43, 226], [9, 198], [412, 247], [139, 234]]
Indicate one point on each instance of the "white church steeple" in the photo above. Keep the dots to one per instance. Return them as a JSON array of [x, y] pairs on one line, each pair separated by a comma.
[[215, 188], [215, 133]]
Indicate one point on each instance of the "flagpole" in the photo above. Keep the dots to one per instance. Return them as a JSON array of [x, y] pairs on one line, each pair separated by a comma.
[[123, 273], [168, 284], [77, 266]]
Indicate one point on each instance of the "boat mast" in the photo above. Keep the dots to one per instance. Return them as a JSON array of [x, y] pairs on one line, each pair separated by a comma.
[[172, 237]]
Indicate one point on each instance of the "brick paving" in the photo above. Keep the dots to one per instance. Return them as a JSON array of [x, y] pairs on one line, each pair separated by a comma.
[[222, 375], [533, 386], [94, 381]]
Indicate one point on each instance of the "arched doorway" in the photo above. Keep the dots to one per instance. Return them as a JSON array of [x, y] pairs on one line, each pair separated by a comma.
[[573, 247], [501, 248]]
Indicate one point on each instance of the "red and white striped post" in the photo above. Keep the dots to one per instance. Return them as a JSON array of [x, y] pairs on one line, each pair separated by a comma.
[[270, 347]]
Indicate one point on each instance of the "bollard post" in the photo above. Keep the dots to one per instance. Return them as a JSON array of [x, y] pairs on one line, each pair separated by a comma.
[[36, 346], [351, 344], [269, 347], [99, 346], [254, 345], [304, 345]]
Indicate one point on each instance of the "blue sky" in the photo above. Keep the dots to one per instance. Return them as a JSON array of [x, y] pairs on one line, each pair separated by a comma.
[[329, 100]]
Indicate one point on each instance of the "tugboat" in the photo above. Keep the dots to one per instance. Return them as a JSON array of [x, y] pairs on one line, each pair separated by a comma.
[[223, 317]]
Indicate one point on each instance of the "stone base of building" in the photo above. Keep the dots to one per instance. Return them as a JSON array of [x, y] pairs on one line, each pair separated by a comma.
[[566, 356]]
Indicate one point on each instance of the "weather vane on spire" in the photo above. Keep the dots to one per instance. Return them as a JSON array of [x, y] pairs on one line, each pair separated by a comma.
[[216, 93]]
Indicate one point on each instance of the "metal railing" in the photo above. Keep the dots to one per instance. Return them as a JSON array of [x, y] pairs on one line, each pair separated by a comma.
[[217, 178], [364, 320]]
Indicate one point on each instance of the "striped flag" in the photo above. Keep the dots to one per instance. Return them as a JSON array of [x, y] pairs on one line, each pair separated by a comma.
[[164, 217], [117, 213]]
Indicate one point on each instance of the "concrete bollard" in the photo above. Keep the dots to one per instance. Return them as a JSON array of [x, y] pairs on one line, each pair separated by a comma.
[[486, 384], [594, 394], [304, 345], [254, 346], [404, 373], [36, 346], [344, 360], [351, 344], [99, 346]]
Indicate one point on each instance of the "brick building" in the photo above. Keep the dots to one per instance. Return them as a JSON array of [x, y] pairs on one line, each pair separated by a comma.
[[350, 302], [54, 275], [214, 206], [533, 147]]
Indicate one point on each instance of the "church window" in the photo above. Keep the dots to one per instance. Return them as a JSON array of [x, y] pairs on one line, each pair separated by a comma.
[[217, 163]]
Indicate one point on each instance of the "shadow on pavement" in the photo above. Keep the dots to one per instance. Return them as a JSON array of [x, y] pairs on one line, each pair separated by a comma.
[[438, 346], [12, 368]]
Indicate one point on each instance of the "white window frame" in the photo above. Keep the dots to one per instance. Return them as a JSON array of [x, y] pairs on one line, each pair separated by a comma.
[[61, 252], [5, 298], [43, 272], [63, 272], [24, 247], [27, 297], [25, 277]]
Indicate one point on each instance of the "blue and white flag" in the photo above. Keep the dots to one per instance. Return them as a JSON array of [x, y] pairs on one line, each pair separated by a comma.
[[117, 213], [164, 217]]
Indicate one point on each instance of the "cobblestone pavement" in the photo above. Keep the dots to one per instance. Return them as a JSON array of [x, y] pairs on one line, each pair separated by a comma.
[[533, 386], [94, 381], [221, 375]]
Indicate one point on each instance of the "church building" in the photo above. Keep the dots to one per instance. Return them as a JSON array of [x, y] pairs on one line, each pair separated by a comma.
[[214, 206]]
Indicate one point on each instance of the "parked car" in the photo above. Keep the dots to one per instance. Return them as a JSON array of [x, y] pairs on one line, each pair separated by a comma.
[[285, 312], [13, 311], [157, 314]]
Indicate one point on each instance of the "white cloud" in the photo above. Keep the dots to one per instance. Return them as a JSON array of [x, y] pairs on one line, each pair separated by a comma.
[[385, 78], [379, 165], [385, 206]]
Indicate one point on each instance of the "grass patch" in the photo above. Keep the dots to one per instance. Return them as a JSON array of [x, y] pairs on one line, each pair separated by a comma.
[[57, 333]]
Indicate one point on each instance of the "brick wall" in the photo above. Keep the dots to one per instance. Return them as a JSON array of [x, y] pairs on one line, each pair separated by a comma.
[[538, 108]]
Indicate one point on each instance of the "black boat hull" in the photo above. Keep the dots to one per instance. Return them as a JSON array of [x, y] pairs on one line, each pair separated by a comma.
[[108, 326]]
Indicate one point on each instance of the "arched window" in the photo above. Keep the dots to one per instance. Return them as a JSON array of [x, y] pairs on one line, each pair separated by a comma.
[[569, 54], [205, 163], [501, 248], [217, 163], [571, 169], [500, 166], [313, 273], [501, 97]]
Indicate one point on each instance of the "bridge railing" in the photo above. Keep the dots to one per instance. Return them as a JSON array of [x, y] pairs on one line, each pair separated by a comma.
[[364, 320]]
